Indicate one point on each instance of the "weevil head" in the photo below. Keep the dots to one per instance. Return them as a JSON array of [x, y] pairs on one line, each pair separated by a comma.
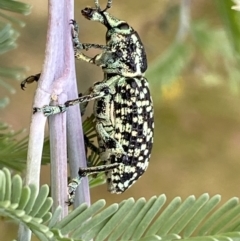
[[126, 55], [113, 24]]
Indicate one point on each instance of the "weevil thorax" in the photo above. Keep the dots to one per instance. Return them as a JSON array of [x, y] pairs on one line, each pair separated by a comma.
[[126, 54]]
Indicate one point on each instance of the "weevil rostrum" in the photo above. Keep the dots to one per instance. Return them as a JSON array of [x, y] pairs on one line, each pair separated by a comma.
[[123, 106]]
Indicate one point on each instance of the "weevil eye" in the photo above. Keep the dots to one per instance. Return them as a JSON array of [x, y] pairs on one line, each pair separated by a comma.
[[123, 26]]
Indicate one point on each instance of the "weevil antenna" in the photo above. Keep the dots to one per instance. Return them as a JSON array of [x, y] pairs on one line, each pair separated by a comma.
[[109, 5], [97, 5]]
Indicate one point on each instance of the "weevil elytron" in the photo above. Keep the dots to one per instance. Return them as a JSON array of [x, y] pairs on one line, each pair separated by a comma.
[[123, 105]]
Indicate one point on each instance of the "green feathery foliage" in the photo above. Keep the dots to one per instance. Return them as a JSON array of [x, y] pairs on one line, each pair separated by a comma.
[[219, 47], [13, 152], [8, 37], [191, 219]]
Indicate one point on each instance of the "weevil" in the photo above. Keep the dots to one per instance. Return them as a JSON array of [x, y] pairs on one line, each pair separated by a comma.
[[123, 106]]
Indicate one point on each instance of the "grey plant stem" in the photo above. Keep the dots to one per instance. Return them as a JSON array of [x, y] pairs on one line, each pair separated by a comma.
[[184, 20], [57, 83], [76, 149]]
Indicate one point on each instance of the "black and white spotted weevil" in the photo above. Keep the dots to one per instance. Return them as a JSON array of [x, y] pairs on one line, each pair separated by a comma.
[[123, 105]]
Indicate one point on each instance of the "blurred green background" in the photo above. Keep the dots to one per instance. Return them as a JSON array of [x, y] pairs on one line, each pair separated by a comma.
[[195, 82]]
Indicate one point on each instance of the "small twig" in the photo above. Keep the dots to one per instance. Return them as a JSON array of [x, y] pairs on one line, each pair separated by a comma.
[[184, 20], [58, 144], [76, 149]]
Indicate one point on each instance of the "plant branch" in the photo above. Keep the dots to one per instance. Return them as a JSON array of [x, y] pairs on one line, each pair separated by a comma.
[[184, 20], [58, 71], [76, 149]]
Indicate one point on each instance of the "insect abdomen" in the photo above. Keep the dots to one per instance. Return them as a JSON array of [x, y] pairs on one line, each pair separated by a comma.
[[134, 126]]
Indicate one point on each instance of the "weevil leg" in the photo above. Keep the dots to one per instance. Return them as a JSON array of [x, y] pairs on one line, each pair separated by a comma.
[[104, 129], [87, 46], [83, 172], [90, 145], [80, 46], [104, 124], [83, 57], [53, 110], [30, 80], [72, 187], [83, 105]]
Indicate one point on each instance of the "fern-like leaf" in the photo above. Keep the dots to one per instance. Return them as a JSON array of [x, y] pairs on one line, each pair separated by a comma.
[[199, 219], [13, 153], [24, 204], [8, 37], [191, 219]]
